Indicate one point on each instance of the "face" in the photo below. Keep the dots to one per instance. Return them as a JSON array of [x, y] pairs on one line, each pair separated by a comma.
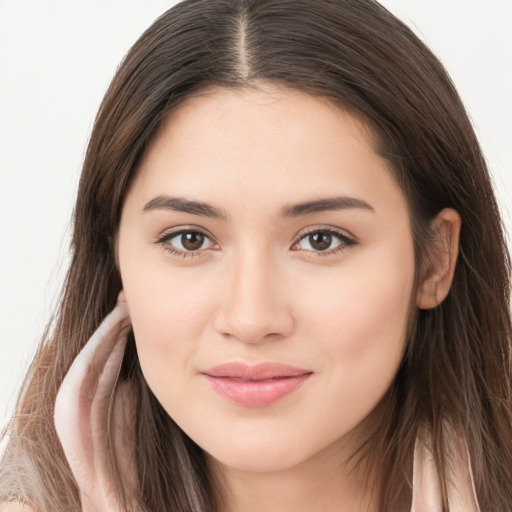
[[267, 259]]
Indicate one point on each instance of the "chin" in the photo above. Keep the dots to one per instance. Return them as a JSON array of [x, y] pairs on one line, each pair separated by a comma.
[[258, 457], [257, 463]]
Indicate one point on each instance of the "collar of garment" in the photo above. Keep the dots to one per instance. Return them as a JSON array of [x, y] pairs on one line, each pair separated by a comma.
[[426, 491]]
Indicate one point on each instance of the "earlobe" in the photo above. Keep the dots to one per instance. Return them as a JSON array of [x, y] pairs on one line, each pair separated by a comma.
[[121, 297], [114, 247], [436, 283]]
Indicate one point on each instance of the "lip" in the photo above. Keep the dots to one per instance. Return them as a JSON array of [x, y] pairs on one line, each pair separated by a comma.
[[255, 385]]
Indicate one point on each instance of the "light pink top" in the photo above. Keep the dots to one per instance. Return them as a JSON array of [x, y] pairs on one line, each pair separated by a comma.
[[426, 491]]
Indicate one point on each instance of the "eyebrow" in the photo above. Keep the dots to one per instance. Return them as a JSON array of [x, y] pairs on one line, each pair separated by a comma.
[[325, 205], [181, 204]]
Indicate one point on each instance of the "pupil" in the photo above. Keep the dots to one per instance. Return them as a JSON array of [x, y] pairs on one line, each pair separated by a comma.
[[192, 241], [320, 241]]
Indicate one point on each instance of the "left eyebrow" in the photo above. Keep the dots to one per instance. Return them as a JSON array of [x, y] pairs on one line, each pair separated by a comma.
[[325, 205]]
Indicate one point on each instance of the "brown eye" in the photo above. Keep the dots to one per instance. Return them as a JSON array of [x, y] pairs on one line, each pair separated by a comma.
[[192, 241], [324, 241], [320, 241], [186, 242]]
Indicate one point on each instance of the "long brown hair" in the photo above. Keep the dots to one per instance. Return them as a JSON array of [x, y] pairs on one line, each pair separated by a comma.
[[354, 52]]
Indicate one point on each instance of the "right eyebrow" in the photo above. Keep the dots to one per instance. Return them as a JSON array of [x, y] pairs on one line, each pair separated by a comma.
[[180, 204], [325, 205]]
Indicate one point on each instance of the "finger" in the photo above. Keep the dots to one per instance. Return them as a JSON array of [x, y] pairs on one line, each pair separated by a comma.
[[94, 475], [124, 413], [76, 396], [100, 405]]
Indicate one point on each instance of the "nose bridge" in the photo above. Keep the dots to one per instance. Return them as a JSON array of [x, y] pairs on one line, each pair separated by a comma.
[[254, 306]]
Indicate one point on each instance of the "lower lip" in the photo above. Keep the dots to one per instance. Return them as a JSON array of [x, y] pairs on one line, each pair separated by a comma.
[[254, 393]]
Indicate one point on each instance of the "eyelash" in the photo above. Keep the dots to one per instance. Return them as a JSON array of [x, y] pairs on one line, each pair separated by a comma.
[[177, 252], [345, 242]]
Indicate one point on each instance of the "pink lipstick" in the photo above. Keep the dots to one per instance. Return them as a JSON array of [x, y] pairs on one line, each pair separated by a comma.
[[255, 385]]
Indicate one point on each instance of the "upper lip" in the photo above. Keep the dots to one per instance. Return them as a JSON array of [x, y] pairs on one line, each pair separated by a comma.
[[261, 371]]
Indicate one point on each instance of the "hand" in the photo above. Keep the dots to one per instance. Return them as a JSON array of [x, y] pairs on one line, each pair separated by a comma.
[[82, 414]]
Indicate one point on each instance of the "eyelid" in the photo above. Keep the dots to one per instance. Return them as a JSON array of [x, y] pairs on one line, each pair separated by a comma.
[[346, 238], [169, 234]]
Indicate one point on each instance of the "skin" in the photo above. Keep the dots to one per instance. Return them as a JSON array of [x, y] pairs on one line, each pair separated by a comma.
[[258, 289]]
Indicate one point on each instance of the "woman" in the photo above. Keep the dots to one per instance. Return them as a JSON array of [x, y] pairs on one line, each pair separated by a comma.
[[290, 208]]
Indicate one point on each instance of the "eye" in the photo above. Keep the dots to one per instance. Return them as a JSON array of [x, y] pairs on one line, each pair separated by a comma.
[[324, 241], [186, 242]]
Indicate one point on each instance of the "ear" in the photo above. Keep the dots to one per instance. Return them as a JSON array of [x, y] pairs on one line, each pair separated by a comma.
[[113, 242], [442, 259]]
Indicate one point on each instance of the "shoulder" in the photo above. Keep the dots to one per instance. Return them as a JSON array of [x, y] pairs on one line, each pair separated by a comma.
[[15, 507]]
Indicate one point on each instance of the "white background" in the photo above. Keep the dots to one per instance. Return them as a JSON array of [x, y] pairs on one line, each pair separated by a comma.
[[56, 60]]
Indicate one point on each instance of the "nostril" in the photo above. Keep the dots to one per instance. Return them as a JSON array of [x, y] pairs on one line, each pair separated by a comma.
[[268, 327]]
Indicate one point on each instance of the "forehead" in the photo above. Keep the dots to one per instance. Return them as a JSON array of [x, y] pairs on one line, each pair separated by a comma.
[[273, 142], [262, 111]]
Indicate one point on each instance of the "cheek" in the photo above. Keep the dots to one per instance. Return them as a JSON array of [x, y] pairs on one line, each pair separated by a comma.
[[365, 303], [360, 323], [168, 310], [167, 327]]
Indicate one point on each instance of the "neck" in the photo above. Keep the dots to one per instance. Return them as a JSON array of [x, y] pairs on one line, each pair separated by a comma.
[[323, 482]]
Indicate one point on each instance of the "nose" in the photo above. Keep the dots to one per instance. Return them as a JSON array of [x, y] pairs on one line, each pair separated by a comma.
[[253, 302]]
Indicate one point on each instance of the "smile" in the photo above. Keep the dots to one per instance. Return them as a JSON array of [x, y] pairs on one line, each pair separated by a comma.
[[255, 386]]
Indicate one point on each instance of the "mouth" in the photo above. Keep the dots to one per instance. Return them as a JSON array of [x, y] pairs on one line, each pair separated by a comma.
[[256, 385]]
